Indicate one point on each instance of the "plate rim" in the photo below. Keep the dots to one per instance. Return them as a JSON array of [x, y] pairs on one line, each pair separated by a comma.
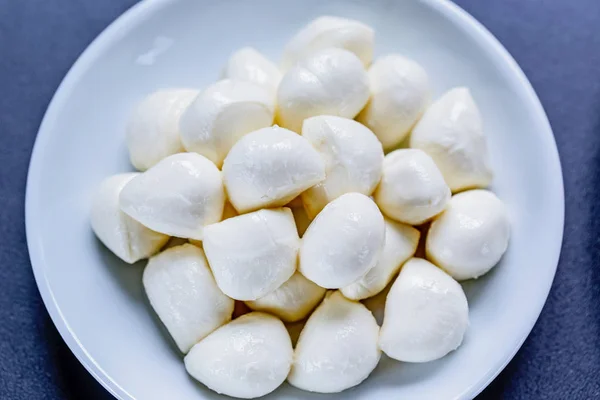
[[120, 26]]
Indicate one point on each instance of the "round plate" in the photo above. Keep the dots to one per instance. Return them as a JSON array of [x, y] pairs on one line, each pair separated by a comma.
[[98, 303]]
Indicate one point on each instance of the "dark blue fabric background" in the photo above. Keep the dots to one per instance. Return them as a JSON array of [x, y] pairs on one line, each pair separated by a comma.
[[556, 42]]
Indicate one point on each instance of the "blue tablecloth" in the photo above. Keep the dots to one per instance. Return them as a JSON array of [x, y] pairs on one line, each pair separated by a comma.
[[556, 42]]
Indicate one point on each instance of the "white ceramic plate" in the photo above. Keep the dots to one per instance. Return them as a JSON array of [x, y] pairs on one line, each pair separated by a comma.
[[97, 302]]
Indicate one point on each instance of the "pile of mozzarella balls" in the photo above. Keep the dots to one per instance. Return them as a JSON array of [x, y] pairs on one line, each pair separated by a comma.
[[294, 199]]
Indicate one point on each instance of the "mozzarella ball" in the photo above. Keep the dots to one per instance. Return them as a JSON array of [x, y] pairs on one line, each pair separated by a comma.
[[376, 304], [343, 242], [178, 196], [353, 159], [247, 64], [399, 95], [329, 82], [400, 244], [125, 237], [183, 292], [451, 132], [228, 212], [412, 189], [269, 167], [337, 348], [222, 114], [153, 129], [426, 314], [470, 237], [292, 301], [247, 358], [253, 254], [325, 32]]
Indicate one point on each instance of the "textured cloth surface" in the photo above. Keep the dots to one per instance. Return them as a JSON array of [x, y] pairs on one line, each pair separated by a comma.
[[556, 42]]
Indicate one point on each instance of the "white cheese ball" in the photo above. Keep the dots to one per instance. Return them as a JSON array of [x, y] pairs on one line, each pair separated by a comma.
[[269, 167], [153, 128], [253, 254], [228, 212], [125, 237], [426, 314], [400, 244], [470, 237], [249, 357], [325, 32], [337, 348], [222, 114], [412, 189], [451, 132], [329, 82], [292, 301], [184, 294], [178, 196], [247, 64], [399, 95], [343, 242], [376, 304], [353, 159]]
